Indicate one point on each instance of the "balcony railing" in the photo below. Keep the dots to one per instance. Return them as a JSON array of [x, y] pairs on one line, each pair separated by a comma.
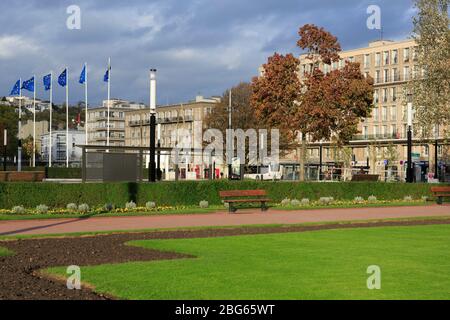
[[391, 79]]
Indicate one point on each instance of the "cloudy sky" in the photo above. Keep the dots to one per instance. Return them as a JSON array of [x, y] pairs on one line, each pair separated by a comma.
[[198, 46]]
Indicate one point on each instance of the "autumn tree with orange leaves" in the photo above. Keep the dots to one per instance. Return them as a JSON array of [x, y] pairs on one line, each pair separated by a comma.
[[321, 106]]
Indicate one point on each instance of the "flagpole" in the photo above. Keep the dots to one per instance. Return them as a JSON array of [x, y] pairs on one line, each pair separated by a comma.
[[19, 148], [67, 117], [34, 121], [109, 98], [86, 103], [50, 143]]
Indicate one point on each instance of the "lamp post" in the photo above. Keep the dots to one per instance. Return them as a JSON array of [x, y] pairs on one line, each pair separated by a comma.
[[230, 150], [5, 143], [158, 160], [320, 160], [436, 153], [152, 164], [410, 168]]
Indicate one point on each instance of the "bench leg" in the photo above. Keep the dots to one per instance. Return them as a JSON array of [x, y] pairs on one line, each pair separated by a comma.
[[264, 207], [440, 200], [231, 209]]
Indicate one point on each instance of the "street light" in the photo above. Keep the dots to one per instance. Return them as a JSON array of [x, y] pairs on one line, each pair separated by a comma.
[[410, 168], [436, 151], [320, 160], [5, 143], [152, 164]]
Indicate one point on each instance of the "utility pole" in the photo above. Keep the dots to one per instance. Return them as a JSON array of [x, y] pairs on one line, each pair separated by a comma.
[[5, 143], [230, 137], [410, 167], [152, 164]]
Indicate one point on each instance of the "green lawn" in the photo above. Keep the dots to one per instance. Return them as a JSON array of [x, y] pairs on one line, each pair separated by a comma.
[[332, 264]]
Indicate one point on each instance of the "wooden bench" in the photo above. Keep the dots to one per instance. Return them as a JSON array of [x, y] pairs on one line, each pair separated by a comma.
[[440, 193], [365, 177], [23, 176], [244, 196]]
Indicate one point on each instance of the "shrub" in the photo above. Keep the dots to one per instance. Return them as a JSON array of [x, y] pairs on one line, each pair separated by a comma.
[[407, 199], [130, 205], [109, 207], [42, 209], [72, 207], [286, 202], [204, 204], [372, 199], [83, 208], [150, 205], [305, 202], [18, 210], [295, 203], [325, 200], [359, 199], [425, 198]]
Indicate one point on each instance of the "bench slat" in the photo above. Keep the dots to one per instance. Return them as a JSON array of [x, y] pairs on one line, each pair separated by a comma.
[[247, 200], [242, 193]]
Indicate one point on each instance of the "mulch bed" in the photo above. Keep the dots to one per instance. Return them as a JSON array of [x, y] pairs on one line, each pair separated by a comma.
[[20, 278]]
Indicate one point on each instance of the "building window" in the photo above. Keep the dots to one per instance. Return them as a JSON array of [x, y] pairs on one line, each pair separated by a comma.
[[376, 96], [385, 95], [386, 58], [375, 114], [406, 55], [394, 56], [406, 73], [386, 75], [377, 59], [367, 61], [384, 113], [394, 113], [378, 76]]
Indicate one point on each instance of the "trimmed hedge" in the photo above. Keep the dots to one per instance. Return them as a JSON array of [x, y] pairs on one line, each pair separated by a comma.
[[190, 193]]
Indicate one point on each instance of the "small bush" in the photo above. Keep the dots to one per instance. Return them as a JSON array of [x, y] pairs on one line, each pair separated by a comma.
[[42, 209], [305, 202], [204, 204], [286, 202], [130, 205], [150, 205], [324, 200], [359, 199], [407, 199], [72, 207], [425, 198], [83, 208], [18, 210], [372, 199], [109, 207], [295, 203]]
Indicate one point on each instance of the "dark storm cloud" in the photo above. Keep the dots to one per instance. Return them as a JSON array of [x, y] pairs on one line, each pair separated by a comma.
[[198, 46]]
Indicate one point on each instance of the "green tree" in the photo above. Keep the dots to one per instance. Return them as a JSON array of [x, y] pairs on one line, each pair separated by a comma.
[[430, 86], [9, 120]]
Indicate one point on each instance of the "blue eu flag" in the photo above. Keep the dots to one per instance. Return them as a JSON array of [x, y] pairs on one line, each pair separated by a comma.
[[16, 90], [106, 77], [28, 85], [48, 82], [83, 75], [62, 79]]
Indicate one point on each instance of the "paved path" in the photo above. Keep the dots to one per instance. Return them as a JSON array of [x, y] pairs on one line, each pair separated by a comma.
[[56, 226]]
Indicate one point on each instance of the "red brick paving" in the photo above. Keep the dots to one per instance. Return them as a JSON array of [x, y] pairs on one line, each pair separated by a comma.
[[245, 217]]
